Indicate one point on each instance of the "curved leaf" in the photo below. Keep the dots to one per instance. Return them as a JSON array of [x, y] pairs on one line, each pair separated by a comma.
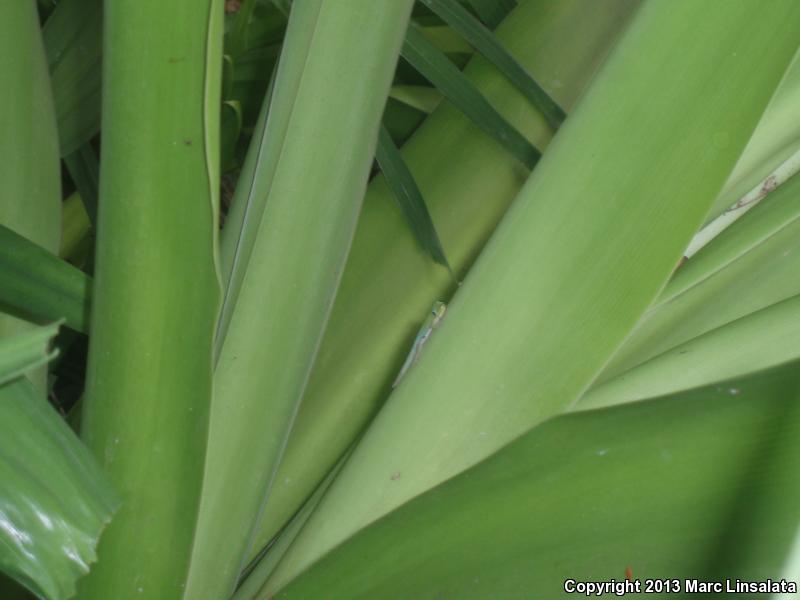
[[54, 499]]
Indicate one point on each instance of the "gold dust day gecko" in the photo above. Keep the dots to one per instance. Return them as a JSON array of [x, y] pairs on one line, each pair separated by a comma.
[[431, 322]]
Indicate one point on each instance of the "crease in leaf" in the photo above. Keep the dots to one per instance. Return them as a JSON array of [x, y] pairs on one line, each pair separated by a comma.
[[408, 196], [455, 86], [485, 42]]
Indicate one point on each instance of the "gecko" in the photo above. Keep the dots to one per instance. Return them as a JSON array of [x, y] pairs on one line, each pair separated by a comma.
[[433, 320]]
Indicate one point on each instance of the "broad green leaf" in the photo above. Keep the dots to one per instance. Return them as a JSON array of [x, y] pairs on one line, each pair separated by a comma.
[[492, 12], [54, 499], [346, 53], [564, 276], [389, 284], [753, 264], [452, 83], [30, 174], [762, 339], [155, 300], [702, 486], [39, 285], [23, 352], [73, 42], [408, 196], [485, 42]]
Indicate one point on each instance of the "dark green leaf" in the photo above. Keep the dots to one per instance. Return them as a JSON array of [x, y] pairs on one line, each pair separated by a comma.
[[39, 285], [485, 42], [438, 69], [492, 12], [408, 197]]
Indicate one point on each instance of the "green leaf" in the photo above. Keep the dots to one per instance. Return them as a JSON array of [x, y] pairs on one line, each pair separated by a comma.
[[25, 351], [262, 568], [84, 170], [389, 284], [751, 265], [564, 276], [345, 52], [38, 284], [492, 12], [442, 73], [155, 300], [702, 485], [30, 174], [776, 140], [421, 97], [485, 42], [54, 499], [759, 340], [73, 43], [408, 197]]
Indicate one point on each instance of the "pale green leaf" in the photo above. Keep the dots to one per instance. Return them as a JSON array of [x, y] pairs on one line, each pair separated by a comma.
[[565, 276]]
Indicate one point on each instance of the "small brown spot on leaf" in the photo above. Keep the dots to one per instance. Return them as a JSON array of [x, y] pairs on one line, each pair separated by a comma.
[[395, 476], [232, 6], [187, 142]]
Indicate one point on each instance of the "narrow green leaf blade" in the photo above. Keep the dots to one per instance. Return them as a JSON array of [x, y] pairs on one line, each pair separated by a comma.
[[408, 197], [703, 485], [438, 69], [84, 170], [485, 42], [54, 499], [25, 351], [38, 284]]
